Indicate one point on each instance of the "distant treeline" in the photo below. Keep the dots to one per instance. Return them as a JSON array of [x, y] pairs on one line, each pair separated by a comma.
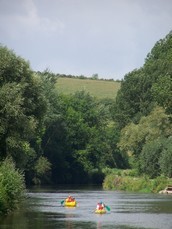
[[93, 77]]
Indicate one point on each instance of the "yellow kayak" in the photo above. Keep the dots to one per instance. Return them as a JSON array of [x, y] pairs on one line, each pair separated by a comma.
[[70, 204], [101, 211]]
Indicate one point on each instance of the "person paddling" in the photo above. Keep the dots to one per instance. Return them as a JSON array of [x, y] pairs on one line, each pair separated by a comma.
[[70, 199], [100, 206]]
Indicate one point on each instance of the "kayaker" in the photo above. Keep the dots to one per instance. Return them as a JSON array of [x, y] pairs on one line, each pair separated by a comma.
[[100, 206], [70, 199]]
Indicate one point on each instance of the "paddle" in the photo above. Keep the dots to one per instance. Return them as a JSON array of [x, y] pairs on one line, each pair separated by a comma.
[[107, 207], [62, 202]]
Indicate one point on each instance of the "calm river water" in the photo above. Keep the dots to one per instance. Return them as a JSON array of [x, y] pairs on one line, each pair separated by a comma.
[[128, 210]]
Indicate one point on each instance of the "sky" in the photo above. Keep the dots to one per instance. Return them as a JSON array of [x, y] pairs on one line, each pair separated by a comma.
[[84, 37]]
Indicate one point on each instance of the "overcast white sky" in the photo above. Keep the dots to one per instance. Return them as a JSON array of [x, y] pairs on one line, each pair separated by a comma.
[[84, 37]]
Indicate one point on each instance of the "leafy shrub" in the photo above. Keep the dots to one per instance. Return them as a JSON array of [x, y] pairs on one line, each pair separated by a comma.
[[12, 186], [134, 184]]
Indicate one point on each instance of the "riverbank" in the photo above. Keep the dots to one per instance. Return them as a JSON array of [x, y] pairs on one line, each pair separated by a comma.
[[127, 181]]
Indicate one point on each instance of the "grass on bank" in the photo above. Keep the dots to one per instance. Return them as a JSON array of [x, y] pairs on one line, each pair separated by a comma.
[[99, 88], [125, 180]]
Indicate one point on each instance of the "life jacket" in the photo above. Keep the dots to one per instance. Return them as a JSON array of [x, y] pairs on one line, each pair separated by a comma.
[[100, 207]]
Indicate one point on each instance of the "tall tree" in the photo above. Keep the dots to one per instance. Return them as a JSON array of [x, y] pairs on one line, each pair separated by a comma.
[[133, 99], [142, 89], [146, 141], [162, 92], [22, 108]]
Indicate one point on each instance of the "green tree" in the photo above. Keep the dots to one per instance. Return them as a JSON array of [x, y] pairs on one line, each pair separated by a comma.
[[149, 128], [98, 149], [158, 61], [95, 76], [143, 141], [155, 158], [133, 99], [22, 109], [83, 119], [162, 92], [165, 161], [149, 158], [42, 171], [143, 88], [16, 127], [12, 186]]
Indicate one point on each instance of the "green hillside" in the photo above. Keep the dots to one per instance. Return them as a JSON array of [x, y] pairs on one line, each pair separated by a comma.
[[98, 88]]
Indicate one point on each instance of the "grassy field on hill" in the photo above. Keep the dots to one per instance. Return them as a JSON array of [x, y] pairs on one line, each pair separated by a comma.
[[98, 88]]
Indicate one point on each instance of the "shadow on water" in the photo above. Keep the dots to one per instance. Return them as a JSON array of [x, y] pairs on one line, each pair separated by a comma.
[[42, 209]]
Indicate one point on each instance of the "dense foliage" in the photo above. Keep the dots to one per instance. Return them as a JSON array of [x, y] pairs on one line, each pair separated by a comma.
[[143, 112], [22, 110], [124, 180], [12, 186], [53, 138], [143, 88], [75, 138]]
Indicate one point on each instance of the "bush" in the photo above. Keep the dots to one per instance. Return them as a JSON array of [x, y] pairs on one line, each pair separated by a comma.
[[134, 184], [12, 186]]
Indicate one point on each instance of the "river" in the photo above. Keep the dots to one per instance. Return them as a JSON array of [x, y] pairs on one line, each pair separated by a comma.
[[42, 209]]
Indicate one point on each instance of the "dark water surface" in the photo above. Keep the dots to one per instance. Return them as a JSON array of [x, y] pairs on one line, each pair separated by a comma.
[[128, 210]]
